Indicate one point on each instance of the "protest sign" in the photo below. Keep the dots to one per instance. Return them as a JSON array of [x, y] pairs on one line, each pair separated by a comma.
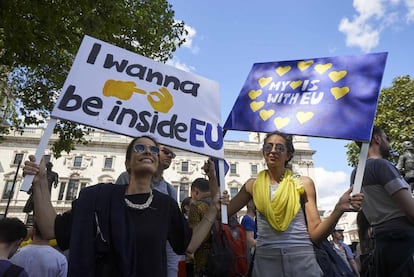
[[113, 89], [116, 90], [334, 97]]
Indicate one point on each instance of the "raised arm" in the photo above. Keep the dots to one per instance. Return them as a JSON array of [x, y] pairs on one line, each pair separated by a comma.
[[318, 229], [241, 198], [43, 209]]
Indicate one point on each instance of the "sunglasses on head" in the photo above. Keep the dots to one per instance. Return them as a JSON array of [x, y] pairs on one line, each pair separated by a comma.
[[140, 148], [268, 147], [167, 151]]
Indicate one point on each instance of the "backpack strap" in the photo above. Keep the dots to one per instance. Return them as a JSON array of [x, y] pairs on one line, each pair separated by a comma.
[[13, 271]]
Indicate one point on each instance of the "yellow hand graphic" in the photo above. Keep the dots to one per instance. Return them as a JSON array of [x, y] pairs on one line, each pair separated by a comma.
[[121, 89], [165, 102]]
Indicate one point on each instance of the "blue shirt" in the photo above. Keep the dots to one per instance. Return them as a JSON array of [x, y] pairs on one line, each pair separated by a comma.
[[249, 225]]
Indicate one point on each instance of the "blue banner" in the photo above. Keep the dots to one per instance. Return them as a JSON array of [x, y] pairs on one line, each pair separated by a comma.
[[334, 97]]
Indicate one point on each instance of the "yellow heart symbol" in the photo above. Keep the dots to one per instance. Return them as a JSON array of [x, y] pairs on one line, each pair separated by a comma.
[[322, 68], [264, 81], [303, 117], [266, 114], [281, 122], [337, 75], [256, 105], [253, 94], [295, 84], [339, 92], [303, 65], [282, 70]]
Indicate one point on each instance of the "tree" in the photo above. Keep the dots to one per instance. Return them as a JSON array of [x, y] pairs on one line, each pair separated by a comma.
[[395, 115], [39, 40]]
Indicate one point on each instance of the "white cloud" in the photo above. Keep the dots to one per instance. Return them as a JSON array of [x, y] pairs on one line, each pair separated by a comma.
[[410, 10], [189, 39], [359, 33], [368, 9], [330, 185], [372, 17], [177, 64]]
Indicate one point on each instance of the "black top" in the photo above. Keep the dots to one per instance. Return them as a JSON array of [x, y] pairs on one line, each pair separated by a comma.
[[149, 230]]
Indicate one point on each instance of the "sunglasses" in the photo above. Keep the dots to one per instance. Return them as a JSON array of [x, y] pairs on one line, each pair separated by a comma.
[[140, 148], [168, 152], [268, 147]]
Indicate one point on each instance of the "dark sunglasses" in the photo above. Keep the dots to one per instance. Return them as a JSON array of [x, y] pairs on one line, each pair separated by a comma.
[[140, 148], [167, 151], [268, 147]]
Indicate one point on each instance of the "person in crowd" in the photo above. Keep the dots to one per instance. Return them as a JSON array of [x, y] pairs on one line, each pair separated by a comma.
[[160, 184], [364, 248], [249, 224], [41, 259], [185, 206], [196, 194], [284, 237], [121, 230], [198, 209], [343, 250], [389, 209], [185, 265], [12, 233]]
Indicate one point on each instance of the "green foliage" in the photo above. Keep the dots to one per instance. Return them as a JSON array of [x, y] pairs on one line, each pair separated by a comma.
[[39, 40], [395, 115]]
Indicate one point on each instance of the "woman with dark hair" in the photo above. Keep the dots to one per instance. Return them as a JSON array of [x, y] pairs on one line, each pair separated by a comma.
[[121, 230], [284, 235]]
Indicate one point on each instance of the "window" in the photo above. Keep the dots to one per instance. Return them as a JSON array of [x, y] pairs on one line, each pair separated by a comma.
[[7, 192], [72, 189], [184, 166], [253, 168], [108, 163], [18, 158], [183, 191], [78, 161], [62, 190], [233, 168], [233, 192]]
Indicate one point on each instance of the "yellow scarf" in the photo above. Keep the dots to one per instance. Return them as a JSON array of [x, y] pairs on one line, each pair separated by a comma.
[[284, 206]]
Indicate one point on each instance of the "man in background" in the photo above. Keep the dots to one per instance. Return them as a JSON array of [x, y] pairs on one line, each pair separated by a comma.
[[343, 250], [389, 208], [200, 194], [249, 225], [41, 259], [12, 233]]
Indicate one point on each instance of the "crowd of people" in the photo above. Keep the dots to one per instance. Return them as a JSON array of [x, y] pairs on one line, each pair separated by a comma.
[[137, 228]]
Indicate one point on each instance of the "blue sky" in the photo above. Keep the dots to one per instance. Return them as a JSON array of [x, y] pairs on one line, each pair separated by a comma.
[[227, 37]]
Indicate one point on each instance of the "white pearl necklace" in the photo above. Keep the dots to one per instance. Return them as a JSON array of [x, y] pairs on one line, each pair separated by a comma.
[[140, 206]]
